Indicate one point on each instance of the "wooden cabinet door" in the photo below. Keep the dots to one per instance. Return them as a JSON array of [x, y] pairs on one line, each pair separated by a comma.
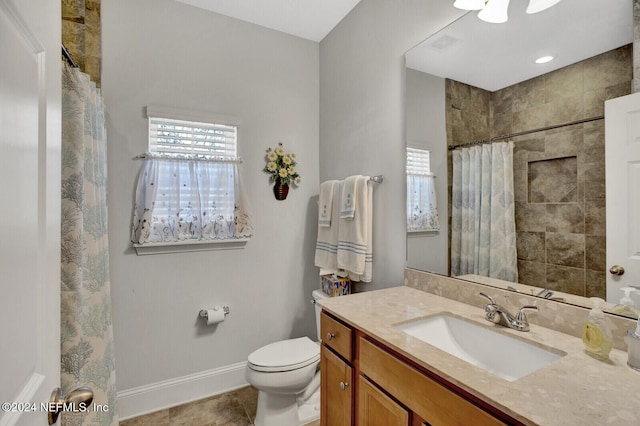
[[422, 395], [336, 390], [377, 409]]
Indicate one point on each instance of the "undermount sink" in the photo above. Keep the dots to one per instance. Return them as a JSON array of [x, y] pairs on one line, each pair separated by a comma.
[[499, 354]]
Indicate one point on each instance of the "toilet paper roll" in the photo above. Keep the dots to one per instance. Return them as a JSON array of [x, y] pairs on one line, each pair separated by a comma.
[[215, 315]]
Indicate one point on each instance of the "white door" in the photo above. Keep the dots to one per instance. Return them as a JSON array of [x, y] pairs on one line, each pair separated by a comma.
[[30, 214], [622, 135]]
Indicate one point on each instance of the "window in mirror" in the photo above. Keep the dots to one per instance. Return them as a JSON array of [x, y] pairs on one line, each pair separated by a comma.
[[422, 211]]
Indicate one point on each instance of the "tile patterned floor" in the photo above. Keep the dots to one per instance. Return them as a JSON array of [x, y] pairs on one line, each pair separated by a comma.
[[236, 408]]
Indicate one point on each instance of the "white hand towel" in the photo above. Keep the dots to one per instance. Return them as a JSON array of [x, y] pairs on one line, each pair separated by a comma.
[[348, 200], [327, 243], [325, 203], [355, 237]]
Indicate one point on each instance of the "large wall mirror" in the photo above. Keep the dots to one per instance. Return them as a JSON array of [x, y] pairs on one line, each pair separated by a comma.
[[478, 84]]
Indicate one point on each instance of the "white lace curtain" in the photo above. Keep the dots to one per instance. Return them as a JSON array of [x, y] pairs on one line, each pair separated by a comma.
[[422, 207], [483, 230], [182, 199]]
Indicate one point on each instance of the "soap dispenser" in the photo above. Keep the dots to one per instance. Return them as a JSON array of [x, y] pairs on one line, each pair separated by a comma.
[[633, 341], [626, 306], [596, 332]]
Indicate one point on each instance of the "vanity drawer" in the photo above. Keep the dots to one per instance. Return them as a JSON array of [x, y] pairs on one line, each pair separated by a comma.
[[337, 336], [438, 405]]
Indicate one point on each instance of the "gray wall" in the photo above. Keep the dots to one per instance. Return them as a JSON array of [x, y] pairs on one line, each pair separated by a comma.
[[426, 129], [339, 104], [161, 52], [362, 105]]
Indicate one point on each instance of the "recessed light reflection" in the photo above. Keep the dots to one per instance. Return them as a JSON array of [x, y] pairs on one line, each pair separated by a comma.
[[544, 59]]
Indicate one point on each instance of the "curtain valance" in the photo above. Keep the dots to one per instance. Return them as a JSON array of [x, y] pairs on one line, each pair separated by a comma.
[[188, 199]]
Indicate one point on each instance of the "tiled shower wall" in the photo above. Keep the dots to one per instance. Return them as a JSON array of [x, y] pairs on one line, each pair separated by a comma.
[[558, 174], [81, 35], [636, 45]]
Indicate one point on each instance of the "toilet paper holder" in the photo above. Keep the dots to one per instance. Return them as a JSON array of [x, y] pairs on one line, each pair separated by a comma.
[[203, 312]]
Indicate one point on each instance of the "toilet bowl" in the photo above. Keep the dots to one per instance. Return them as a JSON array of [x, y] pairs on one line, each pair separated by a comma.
[[287, 376]]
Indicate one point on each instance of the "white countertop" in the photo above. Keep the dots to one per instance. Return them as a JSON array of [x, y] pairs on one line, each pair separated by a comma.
[[573, 390]]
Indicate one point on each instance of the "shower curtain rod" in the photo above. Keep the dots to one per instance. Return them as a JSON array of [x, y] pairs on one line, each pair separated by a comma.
[[68, 58], [526, 132]]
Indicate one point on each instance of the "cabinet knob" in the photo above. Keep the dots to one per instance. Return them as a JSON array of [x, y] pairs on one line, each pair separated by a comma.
[[330, 336], [343, 385]]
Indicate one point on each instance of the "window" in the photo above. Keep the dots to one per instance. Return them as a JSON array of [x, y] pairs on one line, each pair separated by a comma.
[[189, 188], [418, 161], [422, 212]]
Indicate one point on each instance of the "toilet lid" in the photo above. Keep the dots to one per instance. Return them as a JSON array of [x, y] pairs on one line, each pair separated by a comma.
[[285, 355]]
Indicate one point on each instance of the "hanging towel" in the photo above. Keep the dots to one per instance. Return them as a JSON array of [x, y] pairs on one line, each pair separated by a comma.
[[355, 236], [325, 203], [349, 196], [327, 244]]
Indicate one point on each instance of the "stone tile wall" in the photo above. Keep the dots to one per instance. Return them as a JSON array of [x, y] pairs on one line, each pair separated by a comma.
[[636, 45], [82, 35], [558, 174]]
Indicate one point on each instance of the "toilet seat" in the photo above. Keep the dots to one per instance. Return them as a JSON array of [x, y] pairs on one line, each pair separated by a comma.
[[285, 355]]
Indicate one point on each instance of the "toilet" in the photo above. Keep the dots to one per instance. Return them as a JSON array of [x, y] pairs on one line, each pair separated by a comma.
[[287, 376]]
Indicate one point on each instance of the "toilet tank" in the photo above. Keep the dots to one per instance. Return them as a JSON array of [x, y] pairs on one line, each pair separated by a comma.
[[317, 295]]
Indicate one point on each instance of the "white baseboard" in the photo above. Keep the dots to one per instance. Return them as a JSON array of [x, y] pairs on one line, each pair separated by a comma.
[[169, 393]]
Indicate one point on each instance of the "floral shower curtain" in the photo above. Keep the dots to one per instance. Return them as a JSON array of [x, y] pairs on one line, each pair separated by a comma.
[[483, 229], [86, 330]]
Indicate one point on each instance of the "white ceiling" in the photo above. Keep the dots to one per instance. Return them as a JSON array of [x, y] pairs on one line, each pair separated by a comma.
[[309, 19], [489, 56], [494, 56]]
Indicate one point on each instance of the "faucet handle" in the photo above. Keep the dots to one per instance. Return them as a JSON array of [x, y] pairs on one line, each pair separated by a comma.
[[526, 308], [520, 321], [493, 302]]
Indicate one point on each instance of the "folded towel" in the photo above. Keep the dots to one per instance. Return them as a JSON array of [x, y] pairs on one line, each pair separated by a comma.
[[349, 197], [325, 203], [355, 237], [327, 243]]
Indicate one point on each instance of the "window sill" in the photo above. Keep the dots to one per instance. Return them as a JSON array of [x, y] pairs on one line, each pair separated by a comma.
[[423, 233], [189, 246]]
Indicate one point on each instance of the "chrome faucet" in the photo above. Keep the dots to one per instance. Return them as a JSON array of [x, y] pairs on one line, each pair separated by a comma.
[[499, 315]]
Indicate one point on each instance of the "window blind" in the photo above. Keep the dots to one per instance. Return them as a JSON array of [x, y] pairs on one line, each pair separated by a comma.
[[207, 140], [418, 162]]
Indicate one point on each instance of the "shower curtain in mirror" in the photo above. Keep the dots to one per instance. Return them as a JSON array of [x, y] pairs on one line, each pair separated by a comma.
[[483, 230], [86, 332]]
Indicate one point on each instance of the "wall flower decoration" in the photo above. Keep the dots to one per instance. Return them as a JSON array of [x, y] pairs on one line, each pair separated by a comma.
[[281, 168]]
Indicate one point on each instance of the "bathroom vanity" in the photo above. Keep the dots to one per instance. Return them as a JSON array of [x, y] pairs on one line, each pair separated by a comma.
[[373, 372]]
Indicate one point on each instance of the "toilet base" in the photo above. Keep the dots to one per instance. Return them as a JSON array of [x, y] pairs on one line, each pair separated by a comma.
[[286, 410], [309, 410]]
